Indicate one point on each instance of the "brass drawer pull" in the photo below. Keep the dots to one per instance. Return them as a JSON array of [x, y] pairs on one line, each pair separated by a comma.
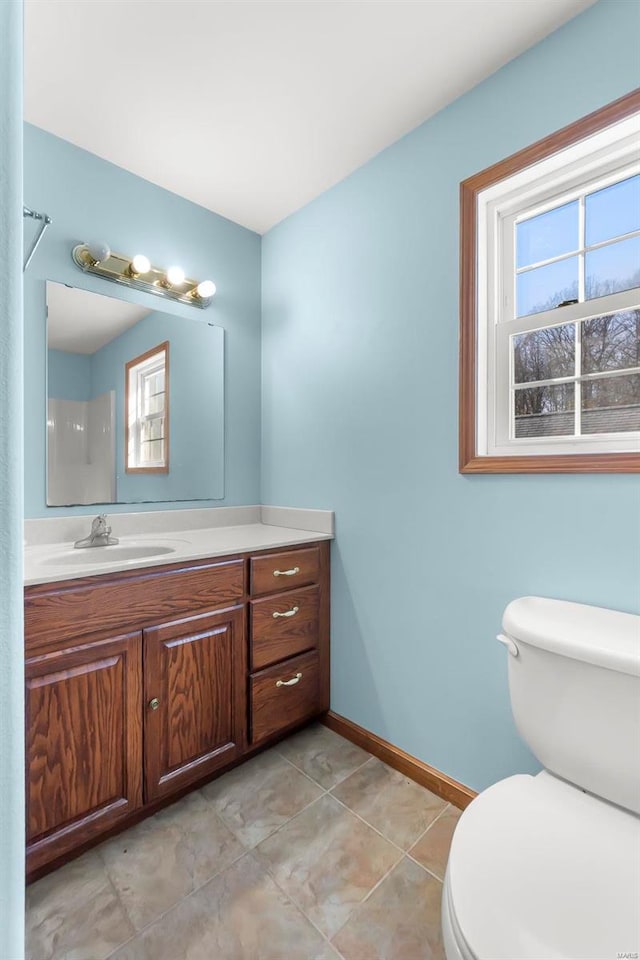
[[289, 683], [289, 613], [286, 573], [154, 704]]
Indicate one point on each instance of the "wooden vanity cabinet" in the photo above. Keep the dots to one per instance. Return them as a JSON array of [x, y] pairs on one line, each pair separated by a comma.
[[284, 625], [195, 703], [284, 696], [142, 683], [289, 637], [280, 571], [84, 742]]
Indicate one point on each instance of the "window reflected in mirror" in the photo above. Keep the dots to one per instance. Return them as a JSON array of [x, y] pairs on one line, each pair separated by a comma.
[[147, 404]]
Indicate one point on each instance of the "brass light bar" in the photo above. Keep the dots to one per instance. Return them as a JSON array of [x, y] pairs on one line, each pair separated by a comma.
[[129, 271]]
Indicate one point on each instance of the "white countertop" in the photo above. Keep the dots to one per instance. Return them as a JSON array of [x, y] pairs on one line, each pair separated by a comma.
[[51, 562]]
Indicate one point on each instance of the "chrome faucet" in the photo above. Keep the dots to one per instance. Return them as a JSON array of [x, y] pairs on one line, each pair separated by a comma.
[[100, 535]]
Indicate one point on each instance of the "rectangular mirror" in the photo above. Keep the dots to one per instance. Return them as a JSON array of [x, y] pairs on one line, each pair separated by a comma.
[[135, 402]]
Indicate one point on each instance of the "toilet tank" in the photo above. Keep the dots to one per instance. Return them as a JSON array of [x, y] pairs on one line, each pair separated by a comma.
[[574, 682]]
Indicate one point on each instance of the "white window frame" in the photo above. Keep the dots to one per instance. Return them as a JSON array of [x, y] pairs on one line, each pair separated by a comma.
[[137, 372], [610, 155]]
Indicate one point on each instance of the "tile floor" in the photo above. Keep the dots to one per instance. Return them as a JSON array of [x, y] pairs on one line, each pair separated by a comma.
[[313, 850]]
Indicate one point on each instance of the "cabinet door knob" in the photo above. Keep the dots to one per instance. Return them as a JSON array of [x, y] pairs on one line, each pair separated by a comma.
[[289, 683], [286, 573], [154, 704], [288, 613]]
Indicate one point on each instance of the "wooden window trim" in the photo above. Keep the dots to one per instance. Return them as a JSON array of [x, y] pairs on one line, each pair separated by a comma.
[[470, 462], [164, 346]]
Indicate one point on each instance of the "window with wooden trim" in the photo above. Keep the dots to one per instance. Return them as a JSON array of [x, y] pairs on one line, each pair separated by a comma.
[[147, 411], [550, 303]]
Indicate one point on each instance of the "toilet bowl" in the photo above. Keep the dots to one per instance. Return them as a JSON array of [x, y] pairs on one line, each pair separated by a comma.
[[547, 867]]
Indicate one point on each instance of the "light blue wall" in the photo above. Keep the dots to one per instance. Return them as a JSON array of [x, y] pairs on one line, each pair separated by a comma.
[[69, 375], [90, 199], [360, 342], [196, 392], [11, 471]]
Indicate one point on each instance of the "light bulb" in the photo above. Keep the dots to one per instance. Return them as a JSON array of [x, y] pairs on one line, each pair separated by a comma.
[[206, 289], [98, 251], [175, 276], [140, 264]]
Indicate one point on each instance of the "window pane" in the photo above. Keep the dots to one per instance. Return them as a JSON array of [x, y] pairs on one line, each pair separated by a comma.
[[613, 211], [152, 451], [545, 287], [154, 383], [611, 405], [611, 342], [154, 404], [545, 411], [152, 430], [612, 268], [548, 235], [544, 354]]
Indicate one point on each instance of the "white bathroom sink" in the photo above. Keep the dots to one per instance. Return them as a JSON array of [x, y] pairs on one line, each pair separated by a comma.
[[117, 553]]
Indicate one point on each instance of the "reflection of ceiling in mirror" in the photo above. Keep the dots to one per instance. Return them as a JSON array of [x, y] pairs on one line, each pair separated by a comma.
[[82, 322]]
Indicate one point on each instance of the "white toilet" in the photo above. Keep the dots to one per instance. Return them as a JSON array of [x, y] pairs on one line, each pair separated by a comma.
[[547, 867]]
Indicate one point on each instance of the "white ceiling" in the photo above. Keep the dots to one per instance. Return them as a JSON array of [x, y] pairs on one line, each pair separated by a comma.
[[249, 108], [81, 322]]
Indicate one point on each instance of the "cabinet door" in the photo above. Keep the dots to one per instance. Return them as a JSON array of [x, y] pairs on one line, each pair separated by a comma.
[[84, 743], [195, 692]]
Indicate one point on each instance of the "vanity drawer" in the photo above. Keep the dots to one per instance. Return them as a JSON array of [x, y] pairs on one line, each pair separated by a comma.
[[282, 571], [284, 695], [283, 625]]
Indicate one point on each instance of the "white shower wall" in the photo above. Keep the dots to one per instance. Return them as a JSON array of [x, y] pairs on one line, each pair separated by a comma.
[[81, 451]]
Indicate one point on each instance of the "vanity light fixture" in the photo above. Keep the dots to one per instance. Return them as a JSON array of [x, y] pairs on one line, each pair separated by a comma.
[[139, 272], [205, 290], [175, 276], [139, 264], [94, 253]]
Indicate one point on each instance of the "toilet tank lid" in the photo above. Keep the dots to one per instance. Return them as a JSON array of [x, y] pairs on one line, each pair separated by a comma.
[[606, 638]]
